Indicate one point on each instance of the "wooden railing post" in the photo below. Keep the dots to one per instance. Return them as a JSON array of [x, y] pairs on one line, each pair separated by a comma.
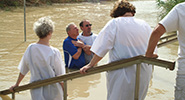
[[65, 90], [137, 82], [13, 96], [24, 20]]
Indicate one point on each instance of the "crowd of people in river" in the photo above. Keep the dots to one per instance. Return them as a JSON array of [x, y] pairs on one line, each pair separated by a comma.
[[124, 36]]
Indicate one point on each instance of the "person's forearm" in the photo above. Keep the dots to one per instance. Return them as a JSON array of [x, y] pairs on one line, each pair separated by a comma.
[[78, 43], [86, 49], [88, 52], [20, 77], [155, 36], [77, 54], [62, 85], [92, 63], [95, 60]]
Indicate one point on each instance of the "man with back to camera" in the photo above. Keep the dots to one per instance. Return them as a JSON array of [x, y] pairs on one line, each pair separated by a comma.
[[174, 21]]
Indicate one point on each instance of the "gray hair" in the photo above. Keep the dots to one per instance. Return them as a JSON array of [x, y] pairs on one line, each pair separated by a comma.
[[43, 26], [68, 26]]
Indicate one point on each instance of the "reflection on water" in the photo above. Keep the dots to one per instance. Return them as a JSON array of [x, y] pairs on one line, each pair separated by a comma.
[[4, 97], [91, 87], [79, 87]]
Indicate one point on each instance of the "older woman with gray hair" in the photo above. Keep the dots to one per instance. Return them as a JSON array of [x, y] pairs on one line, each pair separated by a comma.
[[43, 61]]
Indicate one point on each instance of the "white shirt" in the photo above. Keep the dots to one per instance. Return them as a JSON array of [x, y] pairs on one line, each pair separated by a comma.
[[43, 62], [124, 37], [175, 21], [88, 40]]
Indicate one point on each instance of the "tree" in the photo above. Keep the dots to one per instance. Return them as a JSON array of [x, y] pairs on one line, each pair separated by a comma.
[[166, 6]]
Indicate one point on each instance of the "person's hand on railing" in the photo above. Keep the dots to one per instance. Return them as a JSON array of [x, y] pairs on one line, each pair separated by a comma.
[[12, 88], [92, 63], [124, 63], [151, 55], [20, 77], [84, 69]]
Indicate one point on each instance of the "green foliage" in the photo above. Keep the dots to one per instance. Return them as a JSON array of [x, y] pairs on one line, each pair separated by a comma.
[[166, 6], [7, 4]]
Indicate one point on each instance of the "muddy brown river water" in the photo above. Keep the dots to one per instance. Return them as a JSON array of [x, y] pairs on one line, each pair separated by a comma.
[[12, 46]]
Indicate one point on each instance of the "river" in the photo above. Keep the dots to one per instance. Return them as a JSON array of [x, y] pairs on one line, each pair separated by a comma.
[[12, 46]]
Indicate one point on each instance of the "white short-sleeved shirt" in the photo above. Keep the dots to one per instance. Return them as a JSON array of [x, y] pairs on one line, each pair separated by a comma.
[[124, 37], [43, 62], [175, 21], [88, 40]]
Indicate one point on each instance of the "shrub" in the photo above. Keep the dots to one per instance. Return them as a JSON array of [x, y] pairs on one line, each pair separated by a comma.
[[166, 6]]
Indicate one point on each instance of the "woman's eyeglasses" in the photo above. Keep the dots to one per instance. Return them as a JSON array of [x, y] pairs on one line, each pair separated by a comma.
[[88, 25]]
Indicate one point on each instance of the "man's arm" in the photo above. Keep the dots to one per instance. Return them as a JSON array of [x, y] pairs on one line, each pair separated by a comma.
[[154, 38], [77, 54], [92, 63], [86, 49], [70, 48], [80, 44]]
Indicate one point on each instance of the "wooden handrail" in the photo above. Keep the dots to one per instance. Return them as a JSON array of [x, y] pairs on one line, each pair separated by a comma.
[[168, 36], [167, 42], [168, 39], [107, 67]]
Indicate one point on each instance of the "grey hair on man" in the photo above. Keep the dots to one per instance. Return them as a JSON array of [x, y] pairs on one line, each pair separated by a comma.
[[43, 26], [68, 28]]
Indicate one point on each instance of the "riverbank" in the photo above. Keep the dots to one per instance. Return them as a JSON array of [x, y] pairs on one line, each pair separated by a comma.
[[10, 4]]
